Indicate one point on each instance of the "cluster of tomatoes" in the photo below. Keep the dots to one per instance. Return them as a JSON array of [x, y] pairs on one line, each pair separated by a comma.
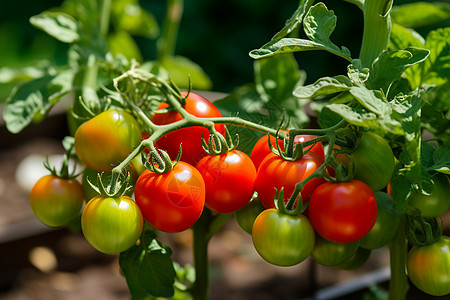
[[342, 222]]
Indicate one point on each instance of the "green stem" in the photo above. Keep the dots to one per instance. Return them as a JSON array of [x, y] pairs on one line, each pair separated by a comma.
[[167, 41], [398, 286], [104, 17], [377, 30]]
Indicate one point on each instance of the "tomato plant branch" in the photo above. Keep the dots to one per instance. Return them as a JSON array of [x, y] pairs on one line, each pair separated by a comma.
[[398, 285]]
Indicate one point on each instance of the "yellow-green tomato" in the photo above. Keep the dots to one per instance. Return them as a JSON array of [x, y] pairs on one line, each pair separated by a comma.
[[56, 201], [111, 225]]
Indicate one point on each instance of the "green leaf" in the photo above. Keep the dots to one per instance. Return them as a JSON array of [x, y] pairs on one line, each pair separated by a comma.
[[324, 86], [59, 25], [419, 14], [391, 64], [318, 25], [355, 116], [182, 69], [295, 21], [121, 42], [441, 160], [357, 73], [436, 69], [148, 268], [371, 100], [129, 16]]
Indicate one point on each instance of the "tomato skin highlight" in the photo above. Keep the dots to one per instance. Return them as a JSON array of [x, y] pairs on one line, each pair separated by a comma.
[[173, 201], [56, 201], [111, 225], [189, 137], [106, 140], [275, 173], [343, 212], [437, 202], [282, 239], [429, 267], [229, 180]]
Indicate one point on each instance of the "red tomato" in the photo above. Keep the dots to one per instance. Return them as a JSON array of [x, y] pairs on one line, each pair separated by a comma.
[[229, 180], [189, 137], [343, 212], [173, 201], [261, 148], [275, 173]]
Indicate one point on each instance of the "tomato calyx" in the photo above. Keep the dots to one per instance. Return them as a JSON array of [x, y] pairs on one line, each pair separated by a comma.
[[422, 231], [343, 171], [158, 160], [218, 144], [65, 172], [113, 188], [287, 208], [293, 151]]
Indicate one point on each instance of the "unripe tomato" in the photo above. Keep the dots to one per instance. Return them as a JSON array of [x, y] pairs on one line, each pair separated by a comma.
[[282, 239], [106, 140], [189, 137], [246, 216], [229, 180], [328, 253], [173, 201], [429, 267], [56, 201], [111, 225]]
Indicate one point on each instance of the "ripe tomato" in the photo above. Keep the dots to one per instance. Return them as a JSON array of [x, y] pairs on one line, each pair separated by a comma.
[[56, 201], [328, 253], [190, 137], [429, 267], [261, 148], [437, 202], [343, 212], [229, 180], [107, 139], [384, 228], [111, 225], [173, 201], [275, 173], [245, 217], [282, 239], [374, 161]]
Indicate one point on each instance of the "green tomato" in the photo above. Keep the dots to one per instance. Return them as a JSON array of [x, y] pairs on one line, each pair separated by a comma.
[[246, 216], [384, 229], [429, 267], [437, 202], [329, 253], [56, 201], [357, 260], [107, 139], [374, 161], [282, 239], [111, 225]]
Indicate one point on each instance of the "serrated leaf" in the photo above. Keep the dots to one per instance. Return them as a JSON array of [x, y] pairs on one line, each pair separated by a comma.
[[324, 86], [371, 100], [355, 116], [148, 268], [436, 69], [295, 20], [420, 14], [59, 25]]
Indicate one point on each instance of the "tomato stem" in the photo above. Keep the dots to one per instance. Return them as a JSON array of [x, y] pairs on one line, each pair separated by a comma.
[[398, 286]]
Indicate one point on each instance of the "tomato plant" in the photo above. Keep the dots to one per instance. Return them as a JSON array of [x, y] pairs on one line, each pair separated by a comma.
[[437, 202], [173, 201], [229, 180], [189, 138], [358, 259], [429, 267], [276, 173], [107, 139], [111, 225], [343, 212], [56, 201], [282, 239], [329, 253], [246, 216]]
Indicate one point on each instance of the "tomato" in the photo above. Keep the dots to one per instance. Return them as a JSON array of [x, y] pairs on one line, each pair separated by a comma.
[[261, 148], [374, 161], [190, 137], [107, 139], [275, 173], [343, 212], [111, 225], [437, 202], [56, 201], [282, 239], [173, 201], [329, 253], [229, 180], [383, 230], [245, 217], [358, 259], [429, 267]]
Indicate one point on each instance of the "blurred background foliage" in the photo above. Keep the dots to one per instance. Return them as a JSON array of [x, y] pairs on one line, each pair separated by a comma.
[[217, 35]]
